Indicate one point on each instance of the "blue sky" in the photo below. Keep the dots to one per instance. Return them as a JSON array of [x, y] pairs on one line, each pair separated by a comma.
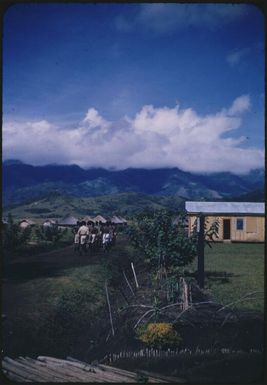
[[135, 85]]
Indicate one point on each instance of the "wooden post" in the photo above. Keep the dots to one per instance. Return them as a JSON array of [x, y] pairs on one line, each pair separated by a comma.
[[200, 250], [136, 283], [109, 308], [128, 283]]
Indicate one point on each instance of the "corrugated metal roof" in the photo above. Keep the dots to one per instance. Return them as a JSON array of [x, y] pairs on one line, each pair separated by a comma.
[[225, 207]]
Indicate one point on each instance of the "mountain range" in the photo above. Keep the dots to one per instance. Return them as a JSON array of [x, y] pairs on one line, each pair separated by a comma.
[[24, 183]]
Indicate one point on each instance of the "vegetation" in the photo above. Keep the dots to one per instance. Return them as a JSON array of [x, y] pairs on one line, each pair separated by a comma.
[[159, 335], [57, 310], [13, 236], [55, 205], [67, 292], [235, 270], [164, 243], [50, 234], [57, 306]]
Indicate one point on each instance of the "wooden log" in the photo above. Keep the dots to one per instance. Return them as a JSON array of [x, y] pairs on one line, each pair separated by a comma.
[[80, 364], [155, 377], [66, 368], [14, 377], [74, 374], [21, 366], [18, 369], [43, 370], [123, 372]]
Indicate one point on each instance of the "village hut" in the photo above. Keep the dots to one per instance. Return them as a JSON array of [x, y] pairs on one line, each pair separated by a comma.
[[68, 221], [26, 223], [100, 220], [116, 220], [238, 221], [49, 223], [89, 220], [124, 221], [4, 221]]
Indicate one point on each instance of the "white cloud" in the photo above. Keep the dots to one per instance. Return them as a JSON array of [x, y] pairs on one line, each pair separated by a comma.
[[93, 119], [235, 57], [164, 18], [240, 104], [154, 137]]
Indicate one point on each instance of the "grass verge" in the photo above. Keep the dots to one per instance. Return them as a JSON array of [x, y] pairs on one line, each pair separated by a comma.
[[234, 270]]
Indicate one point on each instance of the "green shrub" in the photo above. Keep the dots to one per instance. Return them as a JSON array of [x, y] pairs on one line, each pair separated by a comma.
[[162, 241], [13, 237]]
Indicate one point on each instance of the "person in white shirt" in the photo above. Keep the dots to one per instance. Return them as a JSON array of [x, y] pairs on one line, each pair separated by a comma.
[[105, 240], [83, 233]]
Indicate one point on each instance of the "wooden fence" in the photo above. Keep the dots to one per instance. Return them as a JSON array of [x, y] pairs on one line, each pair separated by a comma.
[[158, 353]]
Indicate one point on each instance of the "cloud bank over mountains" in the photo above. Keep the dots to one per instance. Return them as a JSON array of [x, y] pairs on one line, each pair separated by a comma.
[[155, 137]]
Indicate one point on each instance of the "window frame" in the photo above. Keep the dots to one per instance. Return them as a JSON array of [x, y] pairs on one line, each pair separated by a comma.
[[238, 220]]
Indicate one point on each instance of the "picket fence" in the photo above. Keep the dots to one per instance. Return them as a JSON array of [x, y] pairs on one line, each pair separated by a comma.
[[157, 353]]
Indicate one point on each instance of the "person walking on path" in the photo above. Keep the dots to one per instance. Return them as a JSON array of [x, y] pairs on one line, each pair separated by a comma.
[[83, 233]]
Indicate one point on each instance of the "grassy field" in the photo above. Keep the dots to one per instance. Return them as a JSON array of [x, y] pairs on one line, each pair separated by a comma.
[[46, 299], [235, 270]]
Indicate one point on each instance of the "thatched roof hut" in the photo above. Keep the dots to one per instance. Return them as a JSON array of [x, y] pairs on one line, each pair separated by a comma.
[[68, 221], [124, 221], [116, 220], [49, 223], [100, 219], [4, 221], [25, 223], [88, 218]]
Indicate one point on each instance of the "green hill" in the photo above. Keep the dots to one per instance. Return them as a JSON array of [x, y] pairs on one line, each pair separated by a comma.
[[56, 205]]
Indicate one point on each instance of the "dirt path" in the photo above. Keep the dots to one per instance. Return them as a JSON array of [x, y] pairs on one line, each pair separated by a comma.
[[48, 263]]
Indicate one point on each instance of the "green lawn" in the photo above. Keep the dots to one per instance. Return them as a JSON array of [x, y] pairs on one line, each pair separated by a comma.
[[233, 271]]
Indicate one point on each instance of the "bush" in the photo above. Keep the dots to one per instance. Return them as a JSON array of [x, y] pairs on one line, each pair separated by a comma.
[[162, 241], [159, 335], [13, 237], [52, 234]]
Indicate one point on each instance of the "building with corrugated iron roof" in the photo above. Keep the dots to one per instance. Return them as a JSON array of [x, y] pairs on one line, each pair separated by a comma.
[[238, 221]]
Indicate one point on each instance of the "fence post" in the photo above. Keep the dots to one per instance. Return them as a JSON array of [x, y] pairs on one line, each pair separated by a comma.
[[200, 250]]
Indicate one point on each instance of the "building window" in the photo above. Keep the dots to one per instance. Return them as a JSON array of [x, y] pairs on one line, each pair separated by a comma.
[[240, 224]]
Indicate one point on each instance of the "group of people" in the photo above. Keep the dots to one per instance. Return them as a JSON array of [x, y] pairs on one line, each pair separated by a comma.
[[90, 238]]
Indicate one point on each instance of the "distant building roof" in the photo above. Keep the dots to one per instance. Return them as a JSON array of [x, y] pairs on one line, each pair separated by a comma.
[[122, 219], [225, 207], [88, 218], [116, 220], [28, 221], [50, 221], [69, 220], [99, 218]]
